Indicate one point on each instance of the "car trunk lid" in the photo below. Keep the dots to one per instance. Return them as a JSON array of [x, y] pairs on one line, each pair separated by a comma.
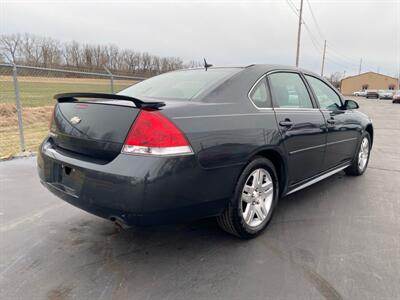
[[94, 128]]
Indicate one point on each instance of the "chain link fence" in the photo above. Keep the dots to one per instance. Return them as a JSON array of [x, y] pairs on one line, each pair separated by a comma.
[[26, 100]]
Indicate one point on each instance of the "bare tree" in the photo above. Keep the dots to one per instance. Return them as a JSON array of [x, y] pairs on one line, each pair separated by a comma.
[[193, 64], [51, 52], [114, 57], [335, 79], [31, 50], [131, 60], [145, 62], [155, 65], [88, 56], [41, 51], [72, 55], [10, 46]]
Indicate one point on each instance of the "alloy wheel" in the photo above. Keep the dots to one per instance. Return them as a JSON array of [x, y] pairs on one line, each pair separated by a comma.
[[257, 197], [363, 154]]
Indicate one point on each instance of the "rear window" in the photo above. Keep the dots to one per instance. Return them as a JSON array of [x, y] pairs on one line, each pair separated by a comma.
[[179, 84]]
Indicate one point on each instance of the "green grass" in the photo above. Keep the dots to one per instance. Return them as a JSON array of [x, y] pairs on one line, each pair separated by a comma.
[[35, 94], [9, 138], [41, 93]]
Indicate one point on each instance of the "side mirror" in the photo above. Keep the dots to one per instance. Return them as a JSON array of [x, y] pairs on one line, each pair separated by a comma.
[[350, 104]]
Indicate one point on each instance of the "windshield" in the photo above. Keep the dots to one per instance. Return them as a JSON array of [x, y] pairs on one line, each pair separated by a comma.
[[179, 84]]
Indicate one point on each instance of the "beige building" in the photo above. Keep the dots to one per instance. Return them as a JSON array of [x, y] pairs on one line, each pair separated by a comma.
[[368, 81]]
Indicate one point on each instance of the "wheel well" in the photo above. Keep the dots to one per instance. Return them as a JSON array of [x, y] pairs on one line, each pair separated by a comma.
[[370, 130], [278, 163]]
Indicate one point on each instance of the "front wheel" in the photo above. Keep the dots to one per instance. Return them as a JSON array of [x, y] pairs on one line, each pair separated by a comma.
[[361, 160], [250, 209]]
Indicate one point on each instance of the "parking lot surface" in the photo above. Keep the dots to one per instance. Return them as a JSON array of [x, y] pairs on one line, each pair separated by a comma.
[[338, 239]]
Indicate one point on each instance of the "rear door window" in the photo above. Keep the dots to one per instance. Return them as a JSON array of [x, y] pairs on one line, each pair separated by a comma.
[[289, 91], [259, 94]]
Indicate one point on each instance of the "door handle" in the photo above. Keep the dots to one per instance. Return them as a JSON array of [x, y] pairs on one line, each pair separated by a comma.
[[286, 123], [331, 121]]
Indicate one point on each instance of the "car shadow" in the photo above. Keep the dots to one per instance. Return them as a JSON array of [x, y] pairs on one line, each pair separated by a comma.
[[179, 236]]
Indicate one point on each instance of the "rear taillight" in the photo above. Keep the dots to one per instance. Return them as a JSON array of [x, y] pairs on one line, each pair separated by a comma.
[[154, 134]]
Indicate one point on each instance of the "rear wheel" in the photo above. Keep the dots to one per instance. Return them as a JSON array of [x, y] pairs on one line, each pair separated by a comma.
[[250, 210], [361, 160]]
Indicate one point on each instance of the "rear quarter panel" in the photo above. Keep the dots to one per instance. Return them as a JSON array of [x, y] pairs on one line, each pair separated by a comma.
[[226, 134]]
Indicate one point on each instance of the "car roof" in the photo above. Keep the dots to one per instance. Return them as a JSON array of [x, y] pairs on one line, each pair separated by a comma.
[[238, 86], [263, 67], [240, 83]]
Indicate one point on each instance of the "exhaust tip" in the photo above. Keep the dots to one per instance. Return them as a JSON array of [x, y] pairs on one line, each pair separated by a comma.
[[120, 223]]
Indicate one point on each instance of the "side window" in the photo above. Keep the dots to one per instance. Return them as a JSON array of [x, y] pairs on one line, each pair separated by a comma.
[[289, 91], [259, 94], [327, 98]]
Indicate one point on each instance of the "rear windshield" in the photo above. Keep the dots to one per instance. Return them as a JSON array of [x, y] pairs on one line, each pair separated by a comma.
[[179, 84]]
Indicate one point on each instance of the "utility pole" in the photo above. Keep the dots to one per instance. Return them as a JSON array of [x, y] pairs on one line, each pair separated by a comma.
[[398, 82], [398, 78], [359, 69], [323, 60], [299, 33]]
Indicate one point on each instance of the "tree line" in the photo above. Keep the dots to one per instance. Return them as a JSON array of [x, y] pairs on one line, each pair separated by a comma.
[[33, 50]]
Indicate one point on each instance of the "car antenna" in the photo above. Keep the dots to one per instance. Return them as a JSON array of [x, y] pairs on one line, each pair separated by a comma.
[[206, 65]]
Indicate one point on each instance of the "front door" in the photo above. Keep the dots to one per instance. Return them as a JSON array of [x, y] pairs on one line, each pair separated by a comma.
[[301, 124], [343, 129]]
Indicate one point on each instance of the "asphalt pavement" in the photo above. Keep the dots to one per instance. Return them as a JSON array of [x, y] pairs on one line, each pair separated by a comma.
[[338, 239]]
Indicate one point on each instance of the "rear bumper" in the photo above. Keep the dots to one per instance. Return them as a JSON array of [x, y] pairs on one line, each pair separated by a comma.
[[138, 190]]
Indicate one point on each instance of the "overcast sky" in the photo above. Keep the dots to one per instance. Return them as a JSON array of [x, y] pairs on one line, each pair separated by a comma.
[[225, 32]]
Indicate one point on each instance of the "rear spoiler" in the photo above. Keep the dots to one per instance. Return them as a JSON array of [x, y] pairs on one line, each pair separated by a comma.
[[72, 97]]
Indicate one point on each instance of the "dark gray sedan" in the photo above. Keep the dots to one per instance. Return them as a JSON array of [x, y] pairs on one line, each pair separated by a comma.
[[190, 144]]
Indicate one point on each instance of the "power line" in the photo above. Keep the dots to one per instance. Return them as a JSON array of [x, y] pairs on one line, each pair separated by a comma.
[[292, 7], [315, 20], [323, 36], [333, 56], [313, 39], [340, 64], [295, 11], [336, 56], [333, 49], [343, 57]]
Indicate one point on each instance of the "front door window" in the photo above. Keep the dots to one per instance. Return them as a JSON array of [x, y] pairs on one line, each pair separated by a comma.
[[326, 96]]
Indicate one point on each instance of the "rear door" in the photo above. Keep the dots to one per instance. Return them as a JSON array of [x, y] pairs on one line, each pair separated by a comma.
[[343, 128], [301, 124]]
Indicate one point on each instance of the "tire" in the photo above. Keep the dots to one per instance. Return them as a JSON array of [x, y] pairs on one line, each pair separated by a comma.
[[358, 168], [248, 197]]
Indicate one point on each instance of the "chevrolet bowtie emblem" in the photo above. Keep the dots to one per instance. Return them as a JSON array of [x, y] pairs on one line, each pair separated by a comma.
[[75, 120]]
